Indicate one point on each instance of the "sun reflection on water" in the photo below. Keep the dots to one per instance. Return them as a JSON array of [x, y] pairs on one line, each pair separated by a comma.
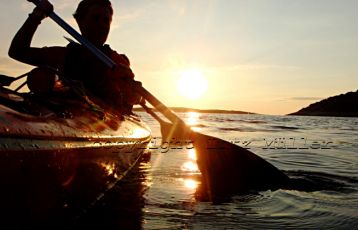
[[192, 154], [189, 166], [190, 184], [193, 120], [190, 170]]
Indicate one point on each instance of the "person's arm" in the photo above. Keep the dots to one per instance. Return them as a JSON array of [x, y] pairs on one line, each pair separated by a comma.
[[20, 48]]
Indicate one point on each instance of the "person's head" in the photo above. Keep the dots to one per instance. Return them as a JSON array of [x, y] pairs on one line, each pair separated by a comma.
[[94, 19]]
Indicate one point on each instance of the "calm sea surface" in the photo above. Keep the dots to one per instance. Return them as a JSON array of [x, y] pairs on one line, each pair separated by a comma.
[[323, 150]]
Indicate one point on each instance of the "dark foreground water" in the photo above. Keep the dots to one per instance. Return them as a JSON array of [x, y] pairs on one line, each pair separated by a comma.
[[322, 150]]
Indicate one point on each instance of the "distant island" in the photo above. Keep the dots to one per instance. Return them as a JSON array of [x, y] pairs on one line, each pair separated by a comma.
[[187, 110], [343, 105]]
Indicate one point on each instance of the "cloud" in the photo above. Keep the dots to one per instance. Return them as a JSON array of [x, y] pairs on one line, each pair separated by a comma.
[[120, 19], [255, 67], [180, 7], [131, 15], [306, 98], [64, 4], [26, 6], [63, 7]]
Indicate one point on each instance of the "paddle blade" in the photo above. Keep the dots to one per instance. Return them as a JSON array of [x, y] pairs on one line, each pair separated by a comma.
[[229, 169], [226, 168]]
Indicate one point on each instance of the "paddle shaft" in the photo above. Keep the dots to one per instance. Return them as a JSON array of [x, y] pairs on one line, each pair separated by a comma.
[[151, 112], [6, 80], [159, 106]]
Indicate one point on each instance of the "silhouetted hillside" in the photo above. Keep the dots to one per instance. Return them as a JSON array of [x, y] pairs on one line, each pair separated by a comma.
[[344, 105]]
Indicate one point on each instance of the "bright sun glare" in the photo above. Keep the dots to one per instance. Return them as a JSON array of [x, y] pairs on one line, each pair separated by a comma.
[[192, 84]]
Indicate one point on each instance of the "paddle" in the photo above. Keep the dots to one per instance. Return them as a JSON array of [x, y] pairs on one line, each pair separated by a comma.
[[175, 134], [6, 80], [226, 168]]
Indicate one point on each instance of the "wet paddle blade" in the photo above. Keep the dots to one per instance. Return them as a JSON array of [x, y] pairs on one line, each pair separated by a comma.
[[229, 169], [226, 168]]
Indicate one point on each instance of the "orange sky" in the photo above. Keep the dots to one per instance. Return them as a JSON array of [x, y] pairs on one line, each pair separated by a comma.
[[270, 57]]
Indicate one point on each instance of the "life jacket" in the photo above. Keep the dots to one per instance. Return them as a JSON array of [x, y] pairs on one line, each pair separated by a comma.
[[96, 77]]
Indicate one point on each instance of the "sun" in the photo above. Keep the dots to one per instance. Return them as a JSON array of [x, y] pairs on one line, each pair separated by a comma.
[[192, 84]]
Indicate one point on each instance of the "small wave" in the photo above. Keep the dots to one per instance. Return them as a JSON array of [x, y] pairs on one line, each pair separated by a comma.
[[222, 119], [253, 121], [229, 120], [246, 121], [199, 126], [317, 181], [232, 129], [226, 119], [248, 129], [284, 127]]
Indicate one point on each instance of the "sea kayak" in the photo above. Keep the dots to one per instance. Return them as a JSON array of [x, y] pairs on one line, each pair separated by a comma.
[[54, 155]]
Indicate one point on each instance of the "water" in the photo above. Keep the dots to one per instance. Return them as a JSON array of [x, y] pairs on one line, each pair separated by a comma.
[[323, 150]]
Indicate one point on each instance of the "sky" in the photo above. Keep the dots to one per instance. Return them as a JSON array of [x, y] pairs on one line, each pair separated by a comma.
[[261, 56]]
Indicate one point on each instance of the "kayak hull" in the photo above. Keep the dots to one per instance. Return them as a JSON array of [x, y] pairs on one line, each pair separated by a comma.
[[50, 164], [43, 182]]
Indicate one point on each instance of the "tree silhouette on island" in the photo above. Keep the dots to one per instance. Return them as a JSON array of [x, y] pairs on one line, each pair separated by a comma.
[[343, 105]]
